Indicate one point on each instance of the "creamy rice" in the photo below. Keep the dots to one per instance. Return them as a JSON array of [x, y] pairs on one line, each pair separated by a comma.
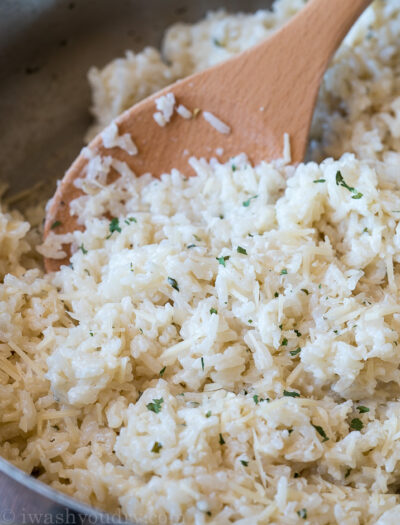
[[231, 355]]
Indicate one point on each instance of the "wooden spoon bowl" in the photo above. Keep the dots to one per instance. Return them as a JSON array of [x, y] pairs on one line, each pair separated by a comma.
[[246, 104]]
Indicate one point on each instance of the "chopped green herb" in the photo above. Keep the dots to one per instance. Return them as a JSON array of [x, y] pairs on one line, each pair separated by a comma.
[[276, 294], [114, 226], [290, 430], [130, 219], [302, 513], [341, 182], [173, 283], [347, 473], [244, 463], [297, 333], [290, 394], [305, 291], [284, 342], [246, 204], [213, 311], [320, 286], [196, 237], [202, 363], [319, 180], [221, 217], [208, 414], [281, 327], [362, 409], [365, 230], [222, 259], [217, 43], [241, 250], [234, 168], [257, 399], [296, 475], [321, 432], [91, 334], [295, 352], [86, 271], [55, 224], [284, 272], [221, 440], [155, 406], [191, 246], [84, 251], [356, 424], [250, 321], [156, 447], [336, 332], [162, 371]]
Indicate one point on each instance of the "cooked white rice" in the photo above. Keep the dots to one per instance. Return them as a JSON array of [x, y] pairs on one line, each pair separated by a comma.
[[165, 106], [226, 349], [216, 123], [184, 112], [111, 139]]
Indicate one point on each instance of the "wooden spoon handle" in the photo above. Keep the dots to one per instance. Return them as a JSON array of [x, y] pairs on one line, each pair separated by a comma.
[[285, 71], [318, 30]]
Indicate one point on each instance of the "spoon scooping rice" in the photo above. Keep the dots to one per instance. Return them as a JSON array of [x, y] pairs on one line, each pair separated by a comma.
[[260, 102]]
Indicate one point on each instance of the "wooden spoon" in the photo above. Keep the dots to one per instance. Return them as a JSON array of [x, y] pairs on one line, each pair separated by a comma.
[[260, 95]]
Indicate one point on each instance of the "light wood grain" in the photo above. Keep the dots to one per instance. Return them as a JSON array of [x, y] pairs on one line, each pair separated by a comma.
[[261, 94]]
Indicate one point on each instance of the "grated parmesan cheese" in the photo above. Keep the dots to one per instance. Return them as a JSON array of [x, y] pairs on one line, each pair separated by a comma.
[[287, 157]]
